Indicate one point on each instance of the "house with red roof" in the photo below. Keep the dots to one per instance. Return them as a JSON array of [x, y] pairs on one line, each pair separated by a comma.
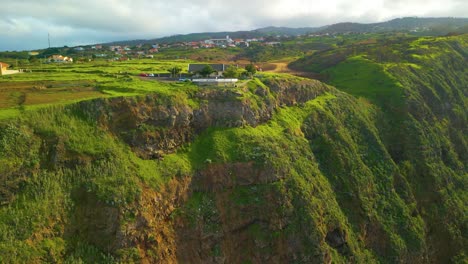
[[3, 66], [4, 69]]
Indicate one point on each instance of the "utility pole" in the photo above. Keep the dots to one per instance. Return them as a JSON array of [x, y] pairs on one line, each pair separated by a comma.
[[48, 38]]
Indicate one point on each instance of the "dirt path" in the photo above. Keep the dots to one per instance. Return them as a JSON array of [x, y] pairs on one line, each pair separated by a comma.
[[282, 67]]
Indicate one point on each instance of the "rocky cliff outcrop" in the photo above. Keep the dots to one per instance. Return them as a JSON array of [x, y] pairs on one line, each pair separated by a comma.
[[154, 126]]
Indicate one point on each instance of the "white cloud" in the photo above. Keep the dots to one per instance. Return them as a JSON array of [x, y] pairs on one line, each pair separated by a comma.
[[24, 24]]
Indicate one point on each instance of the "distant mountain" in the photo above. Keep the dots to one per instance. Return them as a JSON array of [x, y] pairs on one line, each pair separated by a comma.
[[257, 33], [442, 25], [188, 37], [430, 26], [288, 31]]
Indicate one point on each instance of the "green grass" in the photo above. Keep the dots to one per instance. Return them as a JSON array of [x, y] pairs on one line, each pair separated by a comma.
[[364, 78], [355, 160], [69, 83], [408, 80]]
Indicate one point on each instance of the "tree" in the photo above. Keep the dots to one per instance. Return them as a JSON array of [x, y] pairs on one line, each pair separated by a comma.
[[206, 71], [50, 51], [33, 59], [175, 70], [251, 69], [231, 72]]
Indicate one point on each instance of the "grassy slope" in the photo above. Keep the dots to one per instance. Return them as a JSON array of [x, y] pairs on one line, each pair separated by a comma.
[[417, 88], [287, 143], [394, 203]]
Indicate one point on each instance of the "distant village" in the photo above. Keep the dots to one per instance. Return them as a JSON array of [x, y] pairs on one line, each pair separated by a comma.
[[144, 49], [126, 52]]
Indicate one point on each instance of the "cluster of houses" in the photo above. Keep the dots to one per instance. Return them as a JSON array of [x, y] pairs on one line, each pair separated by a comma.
[[219, 43], [138, 50], [226, 42], [147, 51], [125, 52], [95, 47]]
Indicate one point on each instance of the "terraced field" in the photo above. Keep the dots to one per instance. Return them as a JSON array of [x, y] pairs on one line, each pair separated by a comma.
[[15, 94], [50, 84]]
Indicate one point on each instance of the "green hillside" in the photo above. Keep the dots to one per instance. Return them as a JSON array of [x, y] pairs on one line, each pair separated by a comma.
[[257, 33], [422, 26], [369, 167]]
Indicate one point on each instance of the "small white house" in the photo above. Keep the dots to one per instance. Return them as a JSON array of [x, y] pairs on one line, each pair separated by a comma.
[[218, 69], [216, 82]]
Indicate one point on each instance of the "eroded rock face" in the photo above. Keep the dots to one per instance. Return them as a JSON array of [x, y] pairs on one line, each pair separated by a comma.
[[199, 218], [227, 213], [241, 210], [154, 128], [337, 239], [153, 232], [222, 209], [215, 226]]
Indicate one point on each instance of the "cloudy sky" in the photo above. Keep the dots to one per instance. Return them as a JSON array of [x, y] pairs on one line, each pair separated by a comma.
[[24, 24]]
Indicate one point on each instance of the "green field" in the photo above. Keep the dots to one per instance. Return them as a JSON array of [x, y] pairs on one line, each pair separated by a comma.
[[49, 84]]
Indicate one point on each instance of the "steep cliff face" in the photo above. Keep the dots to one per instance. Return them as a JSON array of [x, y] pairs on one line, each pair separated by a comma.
[[154, 125], [422, 124], [283, 170]]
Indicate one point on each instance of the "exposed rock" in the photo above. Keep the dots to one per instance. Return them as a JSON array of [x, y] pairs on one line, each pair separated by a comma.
[[337, 239], [150, 127]]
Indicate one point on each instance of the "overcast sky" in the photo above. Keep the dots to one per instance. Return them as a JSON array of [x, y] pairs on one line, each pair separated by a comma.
[[24, 24]]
